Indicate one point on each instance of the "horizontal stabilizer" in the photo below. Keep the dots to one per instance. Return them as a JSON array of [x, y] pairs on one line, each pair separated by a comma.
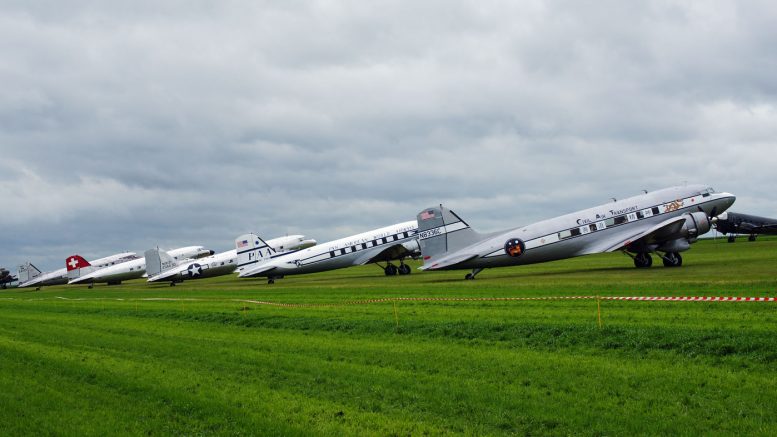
[[261, 270], [448, 261]]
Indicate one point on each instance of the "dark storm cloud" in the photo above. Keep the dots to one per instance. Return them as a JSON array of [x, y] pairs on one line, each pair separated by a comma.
[[133, 124]]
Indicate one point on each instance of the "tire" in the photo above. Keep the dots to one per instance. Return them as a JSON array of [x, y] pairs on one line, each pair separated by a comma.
[[672, 259], [643, 260], [404, 269], [391, 270]]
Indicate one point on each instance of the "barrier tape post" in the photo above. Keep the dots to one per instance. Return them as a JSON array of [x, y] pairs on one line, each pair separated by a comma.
[[396, 316], [599, 311]]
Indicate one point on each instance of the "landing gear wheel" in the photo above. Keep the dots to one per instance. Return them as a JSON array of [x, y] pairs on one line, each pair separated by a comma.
[[404, 269], [751, 238], [91, 286], [475, 271], [673, 259], [270, 280], [732, 238], [643, 260], [391, 270], [172, 284]]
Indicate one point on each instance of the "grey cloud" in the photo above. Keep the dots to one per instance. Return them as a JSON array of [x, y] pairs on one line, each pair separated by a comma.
[[127, 125]]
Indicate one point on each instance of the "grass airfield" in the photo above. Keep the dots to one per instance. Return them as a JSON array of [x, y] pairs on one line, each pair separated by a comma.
[[204, 358]]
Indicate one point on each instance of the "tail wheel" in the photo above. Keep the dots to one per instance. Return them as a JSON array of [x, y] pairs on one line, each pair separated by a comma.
[[643, 260]]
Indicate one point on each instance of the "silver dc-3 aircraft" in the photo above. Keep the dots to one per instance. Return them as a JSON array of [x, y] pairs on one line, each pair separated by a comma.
[[160, 266], [80, 271], [396, 242], [663, 222], [31, 276]]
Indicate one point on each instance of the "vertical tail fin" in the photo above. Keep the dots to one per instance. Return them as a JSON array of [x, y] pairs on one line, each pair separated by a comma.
[[442, 232], [251, 250], [158, 261], [77, 266], [27, 271]]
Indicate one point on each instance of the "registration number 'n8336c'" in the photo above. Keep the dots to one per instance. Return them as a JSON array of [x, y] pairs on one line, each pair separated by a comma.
[[430, 233]]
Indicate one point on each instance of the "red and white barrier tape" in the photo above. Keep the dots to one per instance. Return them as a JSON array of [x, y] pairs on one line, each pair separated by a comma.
[[491, 299]]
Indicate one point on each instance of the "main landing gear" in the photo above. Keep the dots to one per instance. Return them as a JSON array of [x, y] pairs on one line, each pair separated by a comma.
[[643, 260], [392, 270], [672, 259]]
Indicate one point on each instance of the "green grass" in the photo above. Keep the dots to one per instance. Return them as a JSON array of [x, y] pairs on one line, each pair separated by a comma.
[[111, 361]]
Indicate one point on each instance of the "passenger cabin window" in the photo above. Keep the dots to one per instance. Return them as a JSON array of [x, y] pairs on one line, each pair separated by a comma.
[[620, 220], [384, 240], [332, 254], [364, 245], [574, 232], [609, 222], [655, 210], [564, 234], [342, 251]]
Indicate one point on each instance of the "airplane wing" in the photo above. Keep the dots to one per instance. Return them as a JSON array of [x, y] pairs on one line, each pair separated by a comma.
[[660, 232], [389, 253], [749, 228]]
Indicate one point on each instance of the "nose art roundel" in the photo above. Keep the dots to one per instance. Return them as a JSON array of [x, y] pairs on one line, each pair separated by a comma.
[[194, 270], [514, 247]]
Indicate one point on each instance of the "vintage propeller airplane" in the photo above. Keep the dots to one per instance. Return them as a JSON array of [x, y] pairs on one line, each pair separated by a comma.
[[663, 223], [395, 242]]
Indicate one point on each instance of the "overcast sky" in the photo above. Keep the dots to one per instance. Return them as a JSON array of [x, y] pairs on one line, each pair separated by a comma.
[[131, 124]]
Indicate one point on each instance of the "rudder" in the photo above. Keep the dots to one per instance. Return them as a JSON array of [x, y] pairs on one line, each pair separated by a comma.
[[251, 249], [441, 231], [27, 271], [158, 261], [77, 266]]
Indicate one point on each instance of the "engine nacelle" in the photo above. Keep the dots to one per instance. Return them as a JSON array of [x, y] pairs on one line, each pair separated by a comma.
[[696, 223], [412, 246]]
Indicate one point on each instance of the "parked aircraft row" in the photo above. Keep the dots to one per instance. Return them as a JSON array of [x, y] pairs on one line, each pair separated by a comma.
[[662, 223]]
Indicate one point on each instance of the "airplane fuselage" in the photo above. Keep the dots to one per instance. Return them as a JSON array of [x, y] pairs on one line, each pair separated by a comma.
[[345, 252]]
